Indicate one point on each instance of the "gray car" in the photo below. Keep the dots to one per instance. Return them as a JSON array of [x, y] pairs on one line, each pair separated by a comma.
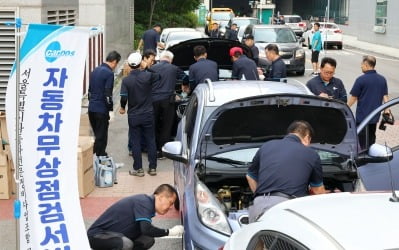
[[290, 46], [223, 126]]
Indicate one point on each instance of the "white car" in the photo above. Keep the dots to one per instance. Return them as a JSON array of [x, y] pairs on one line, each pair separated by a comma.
[[175, 37], [331, 221], [166, 31], [331, 35]]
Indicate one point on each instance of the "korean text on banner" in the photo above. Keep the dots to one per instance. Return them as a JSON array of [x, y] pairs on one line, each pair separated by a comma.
[[52, 61]]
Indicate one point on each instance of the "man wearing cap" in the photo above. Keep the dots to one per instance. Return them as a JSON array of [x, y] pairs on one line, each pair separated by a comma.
[[101, 84], [249, 41], [136, 92], [202, 69], [243, 67], [150, 39]]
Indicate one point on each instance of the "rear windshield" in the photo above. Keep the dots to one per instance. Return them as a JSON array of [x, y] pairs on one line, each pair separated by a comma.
[[275, 35], [293, 19]]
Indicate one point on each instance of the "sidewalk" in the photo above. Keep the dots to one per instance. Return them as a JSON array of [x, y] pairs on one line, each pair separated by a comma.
[[352, 41]]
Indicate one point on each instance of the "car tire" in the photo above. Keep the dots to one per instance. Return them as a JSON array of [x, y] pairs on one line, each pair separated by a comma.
[[300, 73]]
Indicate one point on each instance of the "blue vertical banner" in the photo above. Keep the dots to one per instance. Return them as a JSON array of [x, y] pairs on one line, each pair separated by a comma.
[[52, 62]]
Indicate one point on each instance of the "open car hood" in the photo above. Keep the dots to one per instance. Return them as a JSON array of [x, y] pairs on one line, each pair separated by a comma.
[[250, 122], [217, 49]]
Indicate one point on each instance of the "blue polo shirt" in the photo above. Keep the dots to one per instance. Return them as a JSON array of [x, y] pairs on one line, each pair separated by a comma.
[[165, 86], [137, 88], [202, 69], [244, 66], [277, 70], [124, 215], [286, 166], [101, 78], [334, 88], [150, 39], [369, 89]]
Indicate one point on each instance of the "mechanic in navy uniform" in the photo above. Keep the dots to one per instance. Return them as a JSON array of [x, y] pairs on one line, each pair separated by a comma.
[[232, 33], [202, 69], [101, 84], [150, 39], [163, 98], [127, 223], [284, 169], [325, 84], [136, 92], [249, 41], [243, 67], [278, 69]]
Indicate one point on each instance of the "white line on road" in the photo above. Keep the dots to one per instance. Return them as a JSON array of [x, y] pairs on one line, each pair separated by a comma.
[[378, 57]]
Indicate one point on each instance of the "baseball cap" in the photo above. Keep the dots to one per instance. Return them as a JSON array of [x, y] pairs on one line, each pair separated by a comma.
[[249, 36], [134, 59], [235, 50]]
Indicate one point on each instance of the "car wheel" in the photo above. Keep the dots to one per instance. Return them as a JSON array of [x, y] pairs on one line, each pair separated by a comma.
[[339, 46], [309, 45], [300, 73]]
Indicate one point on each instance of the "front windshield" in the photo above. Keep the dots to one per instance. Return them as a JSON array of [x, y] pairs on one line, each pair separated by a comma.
[[275, 35], [221, 16], [183, 36]]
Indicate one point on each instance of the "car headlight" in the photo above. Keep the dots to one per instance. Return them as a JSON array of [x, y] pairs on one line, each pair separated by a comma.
[[210, 211], [299, 53]]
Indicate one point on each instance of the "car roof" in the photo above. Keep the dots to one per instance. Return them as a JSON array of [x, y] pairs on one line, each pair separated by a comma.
[[353, 221], [269, 26]]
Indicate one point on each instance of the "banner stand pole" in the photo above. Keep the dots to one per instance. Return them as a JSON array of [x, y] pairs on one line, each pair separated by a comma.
[[17, 202]]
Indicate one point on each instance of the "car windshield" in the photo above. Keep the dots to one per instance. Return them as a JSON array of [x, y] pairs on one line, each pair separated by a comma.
[[183, 35], [275, 35], [221, 15], [292, 19], [245, 22]]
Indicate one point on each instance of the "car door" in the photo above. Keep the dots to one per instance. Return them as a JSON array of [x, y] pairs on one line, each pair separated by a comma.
[[382, 176]]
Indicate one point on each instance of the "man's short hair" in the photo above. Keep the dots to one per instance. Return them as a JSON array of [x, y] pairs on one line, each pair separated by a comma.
[[149, 52], [157, 25], [169, 190], [303, 128], [370, 60], [272, 47], [112, 56], [328, 60], [199, 50], [249, 37], [317, 24]]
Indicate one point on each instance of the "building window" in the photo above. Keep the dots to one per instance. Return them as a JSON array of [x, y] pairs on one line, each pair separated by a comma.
[[62, 17], [380, 16]]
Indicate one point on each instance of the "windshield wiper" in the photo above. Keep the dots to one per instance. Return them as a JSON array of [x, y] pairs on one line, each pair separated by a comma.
[[227, 160]]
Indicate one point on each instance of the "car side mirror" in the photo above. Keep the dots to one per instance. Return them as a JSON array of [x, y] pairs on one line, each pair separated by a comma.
[[376, 153], [173, 150]]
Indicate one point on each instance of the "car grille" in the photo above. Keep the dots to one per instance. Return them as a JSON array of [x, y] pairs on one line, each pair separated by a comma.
[[286, 54]]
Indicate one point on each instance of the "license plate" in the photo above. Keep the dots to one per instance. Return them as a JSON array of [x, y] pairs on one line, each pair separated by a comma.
[[287, 62]]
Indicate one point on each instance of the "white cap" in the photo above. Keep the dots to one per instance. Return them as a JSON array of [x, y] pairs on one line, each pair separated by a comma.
[[134, 59]]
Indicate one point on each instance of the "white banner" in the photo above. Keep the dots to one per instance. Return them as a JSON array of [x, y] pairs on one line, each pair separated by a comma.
[[51, 74]]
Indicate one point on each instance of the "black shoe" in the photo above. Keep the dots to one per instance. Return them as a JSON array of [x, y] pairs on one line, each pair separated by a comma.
[[152, 171], [139, 172]]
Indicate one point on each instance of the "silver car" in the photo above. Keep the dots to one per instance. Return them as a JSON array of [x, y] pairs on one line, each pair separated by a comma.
[[223, 126]]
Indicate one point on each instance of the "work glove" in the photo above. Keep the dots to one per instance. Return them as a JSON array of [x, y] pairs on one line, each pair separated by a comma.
[[177, 230]]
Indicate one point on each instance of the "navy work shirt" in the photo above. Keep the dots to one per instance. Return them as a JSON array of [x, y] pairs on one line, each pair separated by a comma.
[[369, 88], [165, 86], [286, 166], [101, 78], [335, 88], [255, 54], [124, 216], [150, 39], [244, 66], [277, 70], [137, 87], [232, 35], [201, 70]]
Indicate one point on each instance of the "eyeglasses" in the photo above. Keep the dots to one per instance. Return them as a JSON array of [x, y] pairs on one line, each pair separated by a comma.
[[328, 72]]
